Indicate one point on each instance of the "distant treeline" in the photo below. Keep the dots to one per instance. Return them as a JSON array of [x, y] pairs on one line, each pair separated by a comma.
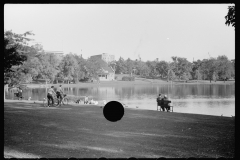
[[35, 64]]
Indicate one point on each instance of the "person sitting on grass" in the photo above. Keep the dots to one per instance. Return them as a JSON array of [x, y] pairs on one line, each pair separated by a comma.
[[91, 101], [19, 93], [50, 95], [60, 94], [78, 101]]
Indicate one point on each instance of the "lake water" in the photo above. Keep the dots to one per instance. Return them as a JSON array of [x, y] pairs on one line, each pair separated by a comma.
[[209, 99]]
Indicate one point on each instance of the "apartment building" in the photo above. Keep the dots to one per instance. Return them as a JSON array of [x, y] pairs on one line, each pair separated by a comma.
[[105, 56]]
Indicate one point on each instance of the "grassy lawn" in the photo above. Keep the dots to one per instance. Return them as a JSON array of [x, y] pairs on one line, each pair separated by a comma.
[[32, 131]]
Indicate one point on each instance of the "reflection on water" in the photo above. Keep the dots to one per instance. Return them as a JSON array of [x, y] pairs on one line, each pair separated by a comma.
[[209, 99]]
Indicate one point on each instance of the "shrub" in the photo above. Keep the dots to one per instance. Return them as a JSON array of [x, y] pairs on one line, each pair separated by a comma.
[[125, 78]]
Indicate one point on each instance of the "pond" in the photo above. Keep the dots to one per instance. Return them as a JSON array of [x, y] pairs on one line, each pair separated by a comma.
[[209, 99]]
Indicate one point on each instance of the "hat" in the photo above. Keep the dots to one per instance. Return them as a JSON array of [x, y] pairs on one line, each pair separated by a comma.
[[159, 94]]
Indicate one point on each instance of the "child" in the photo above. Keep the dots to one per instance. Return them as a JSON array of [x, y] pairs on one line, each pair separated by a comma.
[[86, 100]]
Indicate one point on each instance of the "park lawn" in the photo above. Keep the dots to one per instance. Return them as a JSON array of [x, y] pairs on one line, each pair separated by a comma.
[[30, 130]]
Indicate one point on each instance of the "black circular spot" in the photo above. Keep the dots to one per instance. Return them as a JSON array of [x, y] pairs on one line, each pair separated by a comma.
[[72, 158], [221, 158], [102, 158], [43, 159], [13, 159], [191, 158], [113, 111]]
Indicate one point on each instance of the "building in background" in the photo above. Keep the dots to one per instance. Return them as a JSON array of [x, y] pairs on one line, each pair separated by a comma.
[[105, 56], [106, 74], [59, 54]]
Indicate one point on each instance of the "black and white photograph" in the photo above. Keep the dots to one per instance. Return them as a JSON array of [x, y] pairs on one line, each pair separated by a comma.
[[119, 80]]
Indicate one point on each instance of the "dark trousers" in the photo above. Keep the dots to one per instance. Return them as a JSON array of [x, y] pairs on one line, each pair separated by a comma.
[[50, 98], [59, 96], [163, 108], [167, 108]]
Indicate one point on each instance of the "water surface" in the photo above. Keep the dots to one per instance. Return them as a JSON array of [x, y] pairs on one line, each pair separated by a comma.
[[209, 99]]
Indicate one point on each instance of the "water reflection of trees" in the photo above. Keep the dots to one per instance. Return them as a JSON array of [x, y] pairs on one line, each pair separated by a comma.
[[179, 91], [35, 94]]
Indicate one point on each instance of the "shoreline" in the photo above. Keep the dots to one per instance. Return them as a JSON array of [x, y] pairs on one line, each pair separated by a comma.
[[101, 105], [127, 83]]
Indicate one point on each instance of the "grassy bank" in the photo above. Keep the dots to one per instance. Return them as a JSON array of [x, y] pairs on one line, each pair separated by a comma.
[[30, 130]]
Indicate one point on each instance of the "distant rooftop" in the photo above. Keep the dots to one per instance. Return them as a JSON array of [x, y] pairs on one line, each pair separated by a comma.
[[54, 51], [108, 69]]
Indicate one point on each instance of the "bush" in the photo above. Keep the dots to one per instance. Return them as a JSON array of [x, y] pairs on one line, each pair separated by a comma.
[[125, 78]]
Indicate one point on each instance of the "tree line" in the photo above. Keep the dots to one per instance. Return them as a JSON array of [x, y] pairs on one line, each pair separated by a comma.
[[213, 69], [24, 63]]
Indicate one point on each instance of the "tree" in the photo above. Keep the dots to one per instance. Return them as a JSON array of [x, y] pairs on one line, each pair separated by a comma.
[[181, 66], [68, 67], [185, 77], [12, 56], [153, 68], [171, 75], [224, 68], [230, 17], [195, 69], [214, 77], [233, 65], [93, 67], [31, 67], [129, 65], [80, 70], [15, 49], [163, 68], [120, 66], [14, 53], [197, 75], [208, 68], [142, 68]]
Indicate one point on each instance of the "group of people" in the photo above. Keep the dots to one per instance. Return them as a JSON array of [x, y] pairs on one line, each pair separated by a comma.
[[59, 93], [163, 102], [87, 101], [19, 93]]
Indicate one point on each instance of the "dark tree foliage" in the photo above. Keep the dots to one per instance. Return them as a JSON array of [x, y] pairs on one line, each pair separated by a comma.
[[230, 17], [11, 56]]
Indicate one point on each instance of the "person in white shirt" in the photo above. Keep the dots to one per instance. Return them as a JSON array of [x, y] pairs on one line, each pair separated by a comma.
[[86, 100]]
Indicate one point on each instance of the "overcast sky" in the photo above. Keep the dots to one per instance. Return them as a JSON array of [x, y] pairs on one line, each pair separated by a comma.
[[127, 30]]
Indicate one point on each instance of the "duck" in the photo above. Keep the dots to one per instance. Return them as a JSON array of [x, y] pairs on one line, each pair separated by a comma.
[[104, 102]]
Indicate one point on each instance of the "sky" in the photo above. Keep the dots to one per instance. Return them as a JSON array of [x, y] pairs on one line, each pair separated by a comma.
[[149, 31]]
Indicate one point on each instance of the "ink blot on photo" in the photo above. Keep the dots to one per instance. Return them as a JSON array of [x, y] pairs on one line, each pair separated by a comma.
[[113, 111]]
